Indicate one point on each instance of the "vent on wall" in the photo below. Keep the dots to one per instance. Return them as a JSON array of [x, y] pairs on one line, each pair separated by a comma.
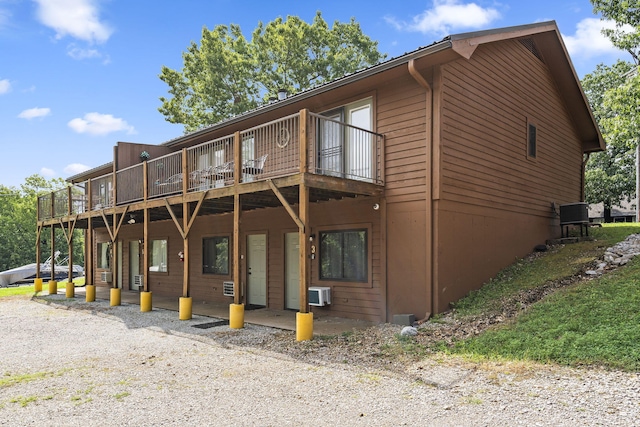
[[138, 280], [227, 289], [530, 45], [106, 276]]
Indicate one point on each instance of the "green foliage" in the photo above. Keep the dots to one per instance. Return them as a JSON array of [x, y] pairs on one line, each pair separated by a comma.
[[227, 74], [626, 14], [613, 93], [18, 210], [610, 175]]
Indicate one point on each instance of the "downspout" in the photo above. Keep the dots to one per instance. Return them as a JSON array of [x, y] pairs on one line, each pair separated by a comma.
[[431, 248]]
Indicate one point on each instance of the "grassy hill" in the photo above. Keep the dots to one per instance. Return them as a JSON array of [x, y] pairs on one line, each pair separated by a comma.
[[578, 320]]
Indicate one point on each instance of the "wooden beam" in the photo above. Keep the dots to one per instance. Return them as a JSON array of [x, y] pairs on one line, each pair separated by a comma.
[[237, 217], [303, 240], [53, 250], [286, 205], [304, 144], [175, 219], [106, 224], [72, 226], [237, 159], [70, 247], [145, 250], [88, 262], [116, 228], [38, 250], [185, 244], [195, 213]]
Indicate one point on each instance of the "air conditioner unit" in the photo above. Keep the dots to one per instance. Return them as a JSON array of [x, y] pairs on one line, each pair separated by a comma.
[[106, 276], [227, 289], [319, 296], [138, 281]]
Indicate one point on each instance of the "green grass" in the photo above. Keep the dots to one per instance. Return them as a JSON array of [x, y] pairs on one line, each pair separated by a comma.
[[595, 323], [30, 289], [558, 263], [17, 290]]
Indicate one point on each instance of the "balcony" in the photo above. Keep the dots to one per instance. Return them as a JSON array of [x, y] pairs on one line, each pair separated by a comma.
[[297, 144]]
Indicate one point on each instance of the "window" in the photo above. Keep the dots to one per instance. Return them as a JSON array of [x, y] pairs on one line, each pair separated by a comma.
[[215, 255], [158, 259], [104, 255], [343, 255], [532, 143]]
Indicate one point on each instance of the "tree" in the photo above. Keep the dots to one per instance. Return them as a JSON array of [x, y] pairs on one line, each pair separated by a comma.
[[609, 175], [613, 93], [227, 75], [18, 224], [626, 15]]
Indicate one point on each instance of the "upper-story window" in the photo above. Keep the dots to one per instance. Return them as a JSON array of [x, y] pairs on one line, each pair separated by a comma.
[[347, 151], [532, 140]]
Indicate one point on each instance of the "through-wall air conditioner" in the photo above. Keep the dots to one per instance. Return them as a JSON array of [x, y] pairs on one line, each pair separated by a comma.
[[227, 289], [138, 281], [106, 276], [319, 296]]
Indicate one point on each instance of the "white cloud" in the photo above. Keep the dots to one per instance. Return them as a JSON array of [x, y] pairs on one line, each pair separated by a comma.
[[32, 113], [447, 15], [48, 173], [5, 86], [75, 168], [588, 41], [100, 124], [76, 18], [79, 53]]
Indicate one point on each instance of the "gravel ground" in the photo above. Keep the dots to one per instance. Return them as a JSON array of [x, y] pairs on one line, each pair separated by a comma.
[[69, 363]]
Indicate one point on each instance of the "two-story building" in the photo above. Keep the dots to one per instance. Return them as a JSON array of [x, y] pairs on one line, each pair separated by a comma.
[[395, 190]]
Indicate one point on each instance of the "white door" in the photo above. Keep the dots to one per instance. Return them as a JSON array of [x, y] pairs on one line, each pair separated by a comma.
[[134, 264], [257, 269], [291, 271]]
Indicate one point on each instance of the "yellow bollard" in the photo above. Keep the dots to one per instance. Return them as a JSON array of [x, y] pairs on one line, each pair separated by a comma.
[[37, 284], [115, 295], [304, 326], [70, 290], [90, 293], [236, 316], [53, 287], [145, 301], [185, 308]]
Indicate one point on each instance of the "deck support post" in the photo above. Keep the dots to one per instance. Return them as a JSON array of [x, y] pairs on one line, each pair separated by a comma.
[[304, 318], [236, 310], [90, 288]]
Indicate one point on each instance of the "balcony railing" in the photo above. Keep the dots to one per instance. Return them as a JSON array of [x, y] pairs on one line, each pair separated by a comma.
[[69, 200], [266, 151]]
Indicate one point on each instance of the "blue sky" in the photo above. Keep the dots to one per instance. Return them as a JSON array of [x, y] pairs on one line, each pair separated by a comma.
[[76, 76]]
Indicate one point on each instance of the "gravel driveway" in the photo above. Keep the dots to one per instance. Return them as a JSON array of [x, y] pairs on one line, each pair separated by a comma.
[[68, 363]]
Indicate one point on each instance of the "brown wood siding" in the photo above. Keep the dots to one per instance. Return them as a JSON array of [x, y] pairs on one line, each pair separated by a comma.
[[352, 300], [485, 105], [496, 203], [401, 110]]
